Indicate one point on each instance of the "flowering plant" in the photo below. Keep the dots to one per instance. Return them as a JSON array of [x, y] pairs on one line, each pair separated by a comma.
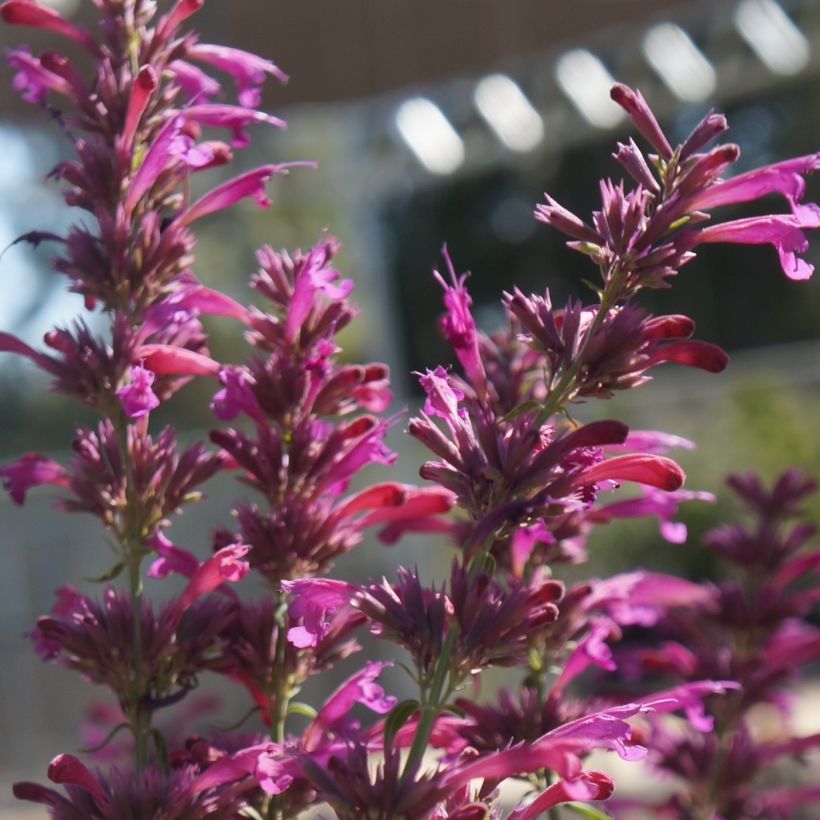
[[526, 481]]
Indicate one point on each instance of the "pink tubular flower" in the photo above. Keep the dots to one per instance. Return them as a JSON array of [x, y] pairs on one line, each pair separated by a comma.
[[170, 22], [143, 86], [235, 396], [233, 117], [591, 785], [176, 361], [784, 232], [315, 277], [136, 397], [458, 326], [334, 716], [28, 13], [33, 80], [786, 178], [661, 505], [197, 85], [248, 70], [171, 559], [656, 471], [170, 146], [273, 771], [250, 184], [224, 565], [31, 470], [313, 601], [68, 770]]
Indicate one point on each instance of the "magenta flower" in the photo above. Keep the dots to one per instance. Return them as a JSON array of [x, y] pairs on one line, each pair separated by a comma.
[[249, 184], [265, 762], [589, 785], [32, 80], [198, 86], [248, 70], [786, 178], [784, 232], [334, 716], [176, 361], [314, 277], [314, 601], [233, 117], [171, 146], [458, 326], [225, 565], [182, 10], [651, 502], [145, 83], [235, 396], [642, 468], [31, 470], [171, 559], [136, 397], [28, 13]]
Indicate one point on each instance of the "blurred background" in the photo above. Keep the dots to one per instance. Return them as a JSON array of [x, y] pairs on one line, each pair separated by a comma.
[[434, 121]]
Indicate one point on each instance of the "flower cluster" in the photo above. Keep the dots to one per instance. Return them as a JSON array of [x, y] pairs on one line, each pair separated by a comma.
[[299, 427], [755, 627]]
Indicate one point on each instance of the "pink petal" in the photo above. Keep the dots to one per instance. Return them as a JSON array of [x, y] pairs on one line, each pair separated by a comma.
[[176, 361], [26, 13], [142, 88], [31, 470], [656, 471], [68, 770], [224, 565]]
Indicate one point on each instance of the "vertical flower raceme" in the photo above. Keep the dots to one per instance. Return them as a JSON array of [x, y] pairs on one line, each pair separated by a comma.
[[756, 628], [642, 237], [137, 140]]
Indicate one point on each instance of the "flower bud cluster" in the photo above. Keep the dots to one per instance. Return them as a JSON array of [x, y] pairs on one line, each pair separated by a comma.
[[756, 629]]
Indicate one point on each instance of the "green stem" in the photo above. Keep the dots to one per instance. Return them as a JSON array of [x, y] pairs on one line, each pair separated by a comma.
[[560, 394], [436, 698], [132, 550], [140, 720], [279, 696]]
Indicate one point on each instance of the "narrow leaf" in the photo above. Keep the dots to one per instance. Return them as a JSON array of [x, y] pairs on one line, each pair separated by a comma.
[[399, 715], [108, 738], [585, 810], [108, 576]]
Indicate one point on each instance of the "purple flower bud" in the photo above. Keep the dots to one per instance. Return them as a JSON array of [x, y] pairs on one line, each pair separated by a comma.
[[639, 112]]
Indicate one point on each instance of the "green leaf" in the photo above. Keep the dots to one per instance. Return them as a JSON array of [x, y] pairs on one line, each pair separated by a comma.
[[399, 715], [233, 727], [455, 710], [585, 810], [108, 738], [296, 707], [251, 812], [108, 576], [162, 749]]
